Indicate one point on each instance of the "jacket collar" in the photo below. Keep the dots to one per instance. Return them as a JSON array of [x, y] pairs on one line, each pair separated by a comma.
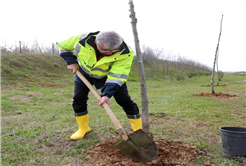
[[90, 37], [124, 47]]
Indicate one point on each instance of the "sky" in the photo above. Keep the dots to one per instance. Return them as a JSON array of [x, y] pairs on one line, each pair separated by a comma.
[[188, 28]]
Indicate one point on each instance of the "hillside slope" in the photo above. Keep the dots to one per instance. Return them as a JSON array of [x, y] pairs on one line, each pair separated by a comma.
[[43, 69], [32, 70]]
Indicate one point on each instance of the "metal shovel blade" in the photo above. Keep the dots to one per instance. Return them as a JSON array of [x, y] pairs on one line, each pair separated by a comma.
[[139, 146]]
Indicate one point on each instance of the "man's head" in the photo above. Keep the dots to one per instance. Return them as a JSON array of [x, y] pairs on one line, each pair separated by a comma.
[[108, 42]]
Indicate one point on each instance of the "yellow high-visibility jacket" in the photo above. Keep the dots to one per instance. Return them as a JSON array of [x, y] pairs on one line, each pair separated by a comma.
[[115, 67]]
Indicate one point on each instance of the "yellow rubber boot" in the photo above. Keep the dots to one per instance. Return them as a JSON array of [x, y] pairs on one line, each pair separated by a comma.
[[136, 124], [83, 124]]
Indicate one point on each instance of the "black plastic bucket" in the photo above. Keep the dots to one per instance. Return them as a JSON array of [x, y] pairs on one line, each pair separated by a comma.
[[234, 140]]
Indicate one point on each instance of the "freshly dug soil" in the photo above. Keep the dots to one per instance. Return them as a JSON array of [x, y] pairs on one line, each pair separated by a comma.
[[225, 95], [210, 85], [170, 153]]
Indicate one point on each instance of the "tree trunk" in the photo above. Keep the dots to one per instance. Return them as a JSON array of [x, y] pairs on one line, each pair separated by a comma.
[[167, 68], [145, 111], [215, 58], [217, 64], [163, 68]]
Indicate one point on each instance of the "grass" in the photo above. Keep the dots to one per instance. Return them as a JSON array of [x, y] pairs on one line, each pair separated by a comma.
[[37, 121]]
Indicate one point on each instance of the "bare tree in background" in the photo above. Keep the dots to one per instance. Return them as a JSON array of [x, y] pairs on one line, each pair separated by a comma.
[[162, 57], [215, 58], [36, 47], [149, 58], [217, 64], [169, 57], [145, 109], [158, 55]]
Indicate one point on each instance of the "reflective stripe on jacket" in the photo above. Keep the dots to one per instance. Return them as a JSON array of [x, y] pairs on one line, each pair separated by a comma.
[[116, 67]]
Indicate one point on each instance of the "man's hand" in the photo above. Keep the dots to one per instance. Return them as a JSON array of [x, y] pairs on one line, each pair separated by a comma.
[[73, 68], [105, 99]]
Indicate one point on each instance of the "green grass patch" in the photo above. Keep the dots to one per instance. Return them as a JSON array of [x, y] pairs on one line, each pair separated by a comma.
[[37, 120]]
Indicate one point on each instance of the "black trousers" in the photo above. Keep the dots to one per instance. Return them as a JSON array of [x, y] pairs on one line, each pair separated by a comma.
[[121, 97]]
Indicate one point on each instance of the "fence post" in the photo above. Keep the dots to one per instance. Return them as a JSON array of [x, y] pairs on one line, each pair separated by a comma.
[[20, 47]]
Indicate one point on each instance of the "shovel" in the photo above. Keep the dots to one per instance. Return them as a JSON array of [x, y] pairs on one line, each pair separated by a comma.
[[138, 145]]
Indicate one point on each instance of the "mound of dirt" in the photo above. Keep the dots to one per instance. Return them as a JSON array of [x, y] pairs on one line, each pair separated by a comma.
[[210, 85], [170, 153], [225, 95]]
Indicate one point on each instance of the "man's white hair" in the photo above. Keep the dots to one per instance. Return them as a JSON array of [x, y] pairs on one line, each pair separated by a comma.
[[111, 39]]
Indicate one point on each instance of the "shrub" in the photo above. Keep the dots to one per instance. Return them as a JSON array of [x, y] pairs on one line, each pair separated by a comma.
[[191, 74], [179, 77], [221, 74], [171, 74], [208, 73], [201, 73], [198, 73]]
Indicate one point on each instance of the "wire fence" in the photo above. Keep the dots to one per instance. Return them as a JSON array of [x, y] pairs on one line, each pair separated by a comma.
[[23, 47], [153, 58]]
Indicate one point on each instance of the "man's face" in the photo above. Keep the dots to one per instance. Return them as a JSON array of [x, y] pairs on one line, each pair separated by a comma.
[[106, 51]]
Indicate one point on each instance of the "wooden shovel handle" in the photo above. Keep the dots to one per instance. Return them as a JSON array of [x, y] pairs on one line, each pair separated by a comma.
[[117, 124]]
